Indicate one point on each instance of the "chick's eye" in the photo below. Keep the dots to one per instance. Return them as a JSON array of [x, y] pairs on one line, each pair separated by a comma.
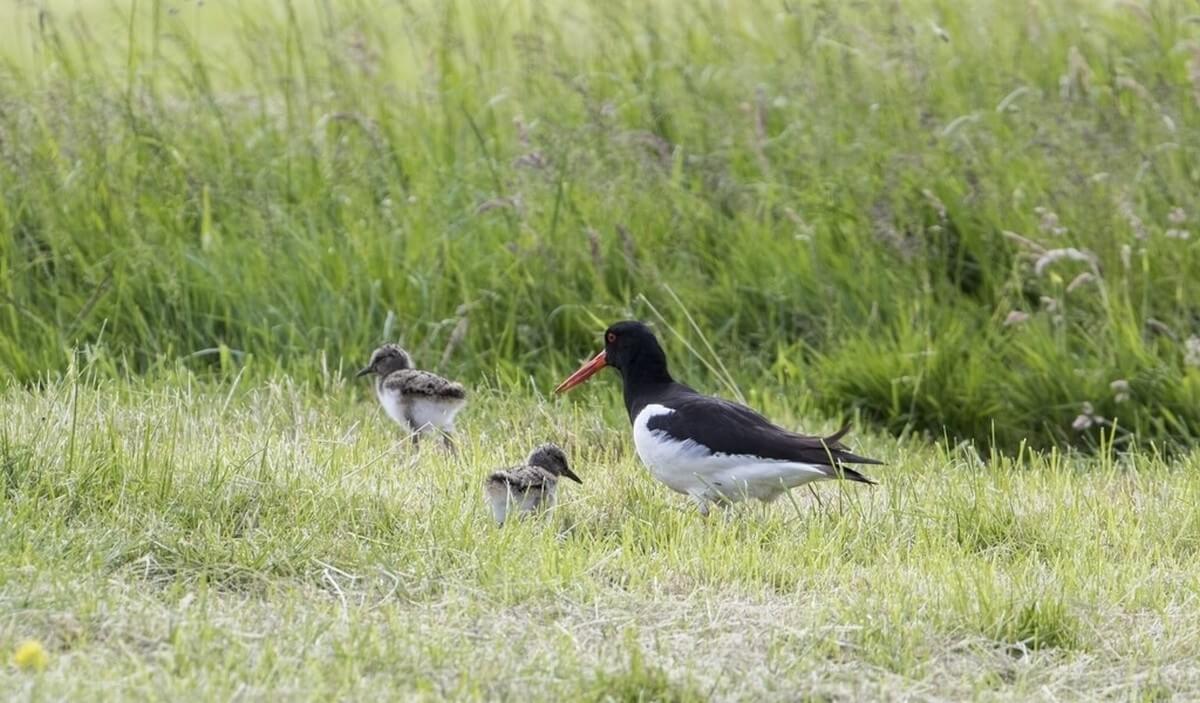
[[611, 337]]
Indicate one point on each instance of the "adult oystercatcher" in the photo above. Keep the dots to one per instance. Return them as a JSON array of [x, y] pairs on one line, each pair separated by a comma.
[[530, 487], [420, 401], [711, 449]]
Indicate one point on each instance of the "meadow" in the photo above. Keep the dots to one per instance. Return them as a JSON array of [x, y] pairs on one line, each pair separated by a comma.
[[969, 227]]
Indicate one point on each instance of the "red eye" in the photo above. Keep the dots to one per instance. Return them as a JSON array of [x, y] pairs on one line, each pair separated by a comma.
[[611, 337]]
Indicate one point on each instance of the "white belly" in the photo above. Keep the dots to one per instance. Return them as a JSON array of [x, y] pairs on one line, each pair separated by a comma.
[[421, 413], [435, 413], [689, 467], [503, 502]]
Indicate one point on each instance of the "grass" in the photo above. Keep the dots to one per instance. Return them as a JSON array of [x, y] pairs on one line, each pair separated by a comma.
[[970, 226], [172, 537], [960, 220]]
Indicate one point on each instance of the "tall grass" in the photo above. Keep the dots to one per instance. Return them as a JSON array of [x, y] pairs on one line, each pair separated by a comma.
[[874, 203]]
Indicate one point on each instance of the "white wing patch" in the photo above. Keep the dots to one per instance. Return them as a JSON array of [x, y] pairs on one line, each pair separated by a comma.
[[689, 467]]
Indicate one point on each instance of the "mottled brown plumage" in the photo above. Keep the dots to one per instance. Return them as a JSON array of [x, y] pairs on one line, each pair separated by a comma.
[[530, 487], [415, 382], [420, 401]]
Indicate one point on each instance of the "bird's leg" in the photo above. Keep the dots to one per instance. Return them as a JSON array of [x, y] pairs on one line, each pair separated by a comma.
[[414, 430], [448, 443], [725, 505]]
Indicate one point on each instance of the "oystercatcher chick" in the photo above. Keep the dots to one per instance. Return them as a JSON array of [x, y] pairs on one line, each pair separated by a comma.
[[714, 450], [420, 401], [529, 488]]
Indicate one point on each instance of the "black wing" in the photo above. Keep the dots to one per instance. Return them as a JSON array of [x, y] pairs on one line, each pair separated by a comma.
[[729, 428]]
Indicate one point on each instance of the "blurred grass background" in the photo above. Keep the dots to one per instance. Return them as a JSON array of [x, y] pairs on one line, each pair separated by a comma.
[[972, 220]]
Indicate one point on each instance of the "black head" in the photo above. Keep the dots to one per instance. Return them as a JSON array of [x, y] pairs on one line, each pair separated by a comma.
[[386, 359], [631, 348], [552, 459], [631, 344]]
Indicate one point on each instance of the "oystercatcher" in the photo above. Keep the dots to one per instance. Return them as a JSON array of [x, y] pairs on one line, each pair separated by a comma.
[[711, 449], [420, 401], [530, 487]]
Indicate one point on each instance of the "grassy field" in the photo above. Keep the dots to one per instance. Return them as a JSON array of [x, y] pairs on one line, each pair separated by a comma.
[[171, 540], [969, 226]]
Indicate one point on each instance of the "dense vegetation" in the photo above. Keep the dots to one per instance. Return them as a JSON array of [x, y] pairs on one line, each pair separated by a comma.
[[961, 218]]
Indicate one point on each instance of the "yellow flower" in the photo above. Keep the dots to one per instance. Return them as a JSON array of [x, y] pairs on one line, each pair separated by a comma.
[[30, 655]]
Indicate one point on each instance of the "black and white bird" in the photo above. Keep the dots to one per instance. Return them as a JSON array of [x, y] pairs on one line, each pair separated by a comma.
[[714, 450], [420, 401], [528, 488]]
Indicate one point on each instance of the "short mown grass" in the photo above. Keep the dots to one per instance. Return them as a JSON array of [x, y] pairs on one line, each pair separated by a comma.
[[176, 538]]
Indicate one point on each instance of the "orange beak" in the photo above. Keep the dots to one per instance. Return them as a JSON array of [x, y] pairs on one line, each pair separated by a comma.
[[584, 373]]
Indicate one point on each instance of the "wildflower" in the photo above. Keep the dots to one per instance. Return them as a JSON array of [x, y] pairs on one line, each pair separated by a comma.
[[1086, 418], [30, 655], [1016, 317], [1178, 234], [1049, 304], [1177, 216], [1121, 390], [1191, 355], [1054, 255]]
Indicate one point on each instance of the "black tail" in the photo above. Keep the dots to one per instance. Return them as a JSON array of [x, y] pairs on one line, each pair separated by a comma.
[[841, 453], [833, 441], [845, 472]]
